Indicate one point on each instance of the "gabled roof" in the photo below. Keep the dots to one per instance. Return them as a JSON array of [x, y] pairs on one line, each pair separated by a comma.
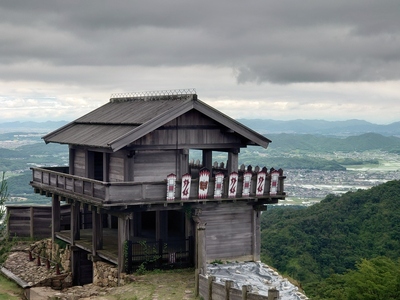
[[123, 120]]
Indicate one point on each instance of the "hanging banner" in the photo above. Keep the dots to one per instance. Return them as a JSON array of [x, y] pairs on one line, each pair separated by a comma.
[[186, 181], [246, 184], [171, 186], [274, 182], [204, 179], [219, 182], [260, 183], [233, 183]]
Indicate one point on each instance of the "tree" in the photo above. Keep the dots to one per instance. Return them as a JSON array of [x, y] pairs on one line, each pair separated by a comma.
[[5, 245]]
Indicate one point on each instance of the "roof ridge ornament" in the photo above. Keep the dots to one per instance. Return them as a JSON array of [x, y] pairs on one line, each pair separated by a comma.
[[155, 95]]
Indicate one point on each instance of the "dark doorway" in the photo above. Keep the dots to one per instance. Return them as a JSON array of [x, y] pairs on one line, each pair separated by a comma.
[[148, 224], [176, 224], [98, 165], [83, 269]]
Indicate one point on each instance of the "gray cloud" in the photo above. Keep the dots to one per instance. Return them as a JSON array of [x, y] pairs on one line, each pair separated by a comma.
[[262, 41]]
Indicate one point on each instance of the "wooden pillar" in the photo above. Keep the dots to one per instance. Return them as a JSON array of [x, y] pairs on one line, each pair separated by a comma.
[[256, 222], [71, 161], [75, 256], [162, 225], [200, 248], [183, 163], [207, 159], [233, 161], [123, 235], [106, 167], [31, 217], [75, 234], [136, 224], [55, 216], [97, 232]]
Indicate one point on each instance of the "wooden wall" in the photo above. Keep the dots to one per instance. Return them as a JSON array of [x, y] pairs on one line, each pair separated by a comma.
[[229, 231], [80, 163], [117, 167], [34, 221], [190, 129], [153, 165]]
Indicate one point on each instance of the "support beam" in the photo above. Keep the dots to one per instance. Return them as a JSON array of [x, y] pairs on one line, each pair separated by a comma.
[[207, 159], [162, 225], [256, 246], [75, 211], [55, 216], [97, 232], [233, 161], [123, 235]]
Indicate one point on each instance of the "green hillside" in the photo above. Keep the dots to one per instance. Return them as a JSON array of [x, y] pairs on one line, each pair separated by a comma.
[[318, 143], [312, 244]]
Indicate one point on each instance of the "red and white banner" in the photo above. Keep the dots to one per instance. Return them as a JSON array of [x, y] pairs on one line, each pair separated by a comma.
[[274, 182], [204, 180], [233, 182], [260, 183], [219, 182], [186, 181], [246, 184], [171, 186]]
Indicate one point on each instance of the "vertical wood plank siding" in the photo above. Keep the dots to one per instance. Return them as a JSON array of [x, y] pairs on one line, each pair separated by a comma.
[[154, 165], [34, 221], [117, 167], [79, 163], [229, 231]]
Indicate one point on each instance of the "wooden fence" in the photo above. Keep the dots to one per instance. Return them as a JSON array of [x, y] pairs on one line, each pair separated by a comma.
[[209, 289], [159, 254], [34, 221]]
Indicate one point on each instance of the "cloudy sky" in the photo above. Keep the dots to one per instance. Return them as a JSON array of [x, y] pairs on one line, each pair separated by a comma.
[[282, 60]]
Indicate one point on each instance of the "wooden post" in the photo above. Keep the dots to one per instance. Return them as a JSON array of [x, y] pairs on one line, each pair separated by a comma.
[[201, 247], [106, 166], [256, 245], [55, 217], [31, 222], [207, 159], [97, 230], [162, 225], [228, 285], [123, 235], [75, 234], [245, 290], [233, 161], [71, 162], [183, 163], [273, 294], [210, 281]]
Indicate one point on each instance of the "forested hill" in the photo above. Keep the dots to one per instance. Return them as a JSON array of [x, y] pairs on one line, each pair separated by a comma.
[[318, 143], [312, 243]]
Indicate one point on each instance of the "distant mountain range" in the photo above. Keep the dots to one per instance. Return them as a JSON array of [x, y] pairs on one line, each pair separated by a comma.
[[333, 128], [30, 126], [263, 126]]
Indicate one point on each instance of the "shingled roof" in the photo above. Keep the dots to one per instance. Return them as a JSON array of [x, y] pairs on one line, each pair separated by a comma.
[[124, 119]]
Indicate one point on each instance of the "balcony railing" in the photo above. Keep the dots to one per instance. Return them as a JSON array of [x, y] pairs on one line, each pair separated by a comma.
[[58, 181]]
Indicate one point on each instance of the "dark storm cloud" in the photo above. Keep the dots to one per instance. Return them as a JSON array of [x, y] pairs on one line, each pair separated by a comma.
[[263, 41]]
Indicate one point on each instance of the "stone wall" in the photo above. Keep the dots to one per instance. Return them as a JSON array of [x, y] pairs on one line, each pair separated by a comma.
[[104, 274], [55, 253]]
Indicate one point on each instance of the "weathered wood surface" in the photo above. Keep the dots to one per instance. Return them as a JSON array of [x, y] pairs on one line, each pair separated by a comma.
[[229, 231], [34, 221], [131, 193], [190, 130]]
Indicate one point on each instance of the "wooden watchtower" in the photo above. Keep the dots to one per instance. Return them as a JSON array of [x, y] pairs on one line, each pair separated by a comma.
[[130, 179]]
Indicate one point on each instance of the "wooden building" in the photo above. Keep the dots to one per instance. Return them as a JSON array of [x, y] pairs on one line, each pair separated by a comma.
[[130, 180]]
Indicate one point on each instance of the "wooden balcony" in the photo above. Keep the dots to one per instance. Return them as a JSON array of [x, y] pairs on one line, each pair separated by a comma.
[[57, 181]]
